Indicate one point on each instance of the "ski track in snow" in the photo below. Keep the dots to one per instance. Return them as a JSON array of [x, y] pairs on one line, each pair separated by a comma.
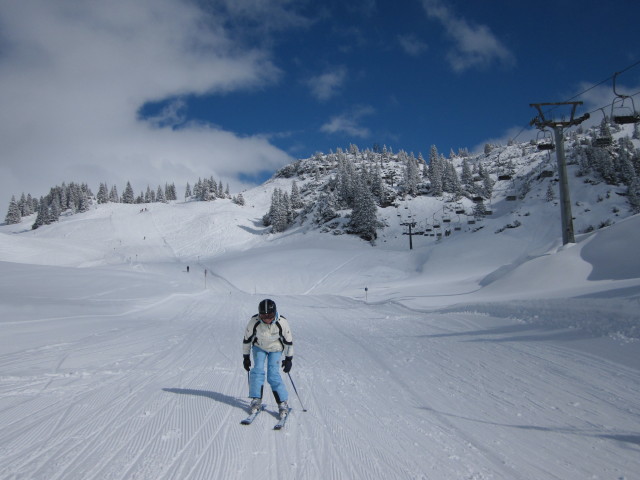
[[161, 398]]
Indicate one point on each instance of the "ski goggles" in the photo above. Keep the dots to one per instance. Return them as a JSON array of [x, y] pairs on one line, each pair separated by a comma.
[[267, 316]]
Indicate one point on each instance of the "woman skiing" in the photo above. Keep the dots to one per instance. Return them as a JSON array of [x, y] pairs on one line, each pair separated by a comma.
[[268, 336]]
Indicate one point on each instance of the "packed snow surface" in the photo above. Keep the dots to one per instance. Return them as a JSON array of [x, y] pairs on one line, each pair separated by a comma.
[[481, 356]]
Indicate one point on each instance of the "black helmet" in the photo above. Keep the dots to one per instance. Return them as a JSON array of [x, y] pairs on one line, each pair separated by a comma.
[[267, 306]]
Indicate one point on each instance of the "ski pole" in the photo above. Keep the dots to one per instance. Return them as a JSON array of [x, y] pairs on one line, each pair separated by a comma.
[[296, 390]]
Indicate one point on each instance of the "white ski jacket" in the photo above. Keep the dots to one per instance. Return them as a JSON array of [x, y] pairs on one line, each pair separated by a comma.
[[274, 337]]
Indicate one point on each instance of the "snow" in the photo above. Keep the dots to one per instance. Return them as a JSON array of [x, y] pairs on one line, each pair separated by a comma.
[[480, 356]]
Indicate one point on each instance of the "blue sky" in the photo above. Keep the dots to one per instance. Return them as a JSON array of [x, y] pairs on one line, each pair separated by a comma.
[[169, 90]]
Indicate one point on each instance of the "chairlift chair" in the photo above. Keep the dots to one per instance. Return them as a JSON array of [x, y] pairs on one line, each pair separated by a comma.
[[545, 141], [624, 115], [604, 141], [504, 176], [619, 113]]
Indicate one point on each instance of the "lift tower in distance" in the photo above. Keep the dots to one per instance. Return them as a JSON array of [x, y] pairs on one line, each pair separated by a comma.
[[558, 127]]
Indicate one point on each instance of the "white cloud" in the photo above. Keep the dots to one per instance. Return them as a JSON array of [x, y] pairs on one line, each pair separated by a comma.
[[73, 76], [412, 45], [348, 123], [327, 85], [475, 45]]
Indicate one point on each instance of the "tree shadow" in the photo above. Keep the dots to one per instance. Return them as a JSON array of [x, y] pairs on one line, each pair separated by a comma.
[[218, 397]]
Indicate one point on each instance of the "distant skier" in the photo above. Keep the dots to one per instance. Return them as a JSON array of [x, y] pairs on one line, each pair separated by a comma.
[[268, 336]]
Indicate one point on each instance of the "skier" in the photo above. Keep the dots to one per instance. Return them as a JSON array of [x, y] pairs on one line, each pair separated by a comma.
[[269, 337]]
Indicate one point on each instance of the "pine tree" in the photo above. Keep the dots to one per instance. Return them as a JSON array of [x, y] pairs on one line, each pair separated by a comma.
[[187, 192], [411, 176], [277, 216], [633, 195], [467, 176], [103, 194], [128, 195], [296, 199], [13, 213], [170, 192], [435, 172], [363, 220], [326, 208], [43, 214], [24, 204], [84, 202], [160, 195], [29, 206], [113, 195]]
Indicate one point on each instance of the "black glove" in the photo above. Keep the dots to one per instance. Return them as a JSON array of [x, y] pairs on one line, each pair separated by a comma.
[[286, 364], [246, 362]]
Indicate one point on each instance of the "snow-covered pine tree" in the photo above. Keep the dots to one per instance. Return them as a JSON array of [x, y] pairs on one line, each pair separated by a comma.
[[128, 196], [103, 194], [43, 214], [84, 202], [633, 194], [26, 205], [113, 195], [326, 208], [170, 191], [277, 216], [187, 192], [160, 195], [296, 199], [411, 175], [13, 212], [435, 172], [364, 221], [467, 176]]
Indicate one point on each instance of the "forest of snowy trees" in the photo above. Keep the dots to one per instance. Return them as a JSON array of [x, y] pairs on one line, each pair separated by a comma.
[[74, 198], [343, 190], [362, 181]]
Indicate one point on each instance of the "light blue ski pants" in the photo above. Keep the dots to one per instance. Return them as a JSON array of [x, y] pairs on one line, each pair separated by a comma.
[[256, 375]]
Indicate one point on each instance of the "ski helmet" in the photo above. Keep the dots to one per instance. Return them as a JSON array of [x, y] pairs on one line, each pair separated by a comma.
[[267, 306]]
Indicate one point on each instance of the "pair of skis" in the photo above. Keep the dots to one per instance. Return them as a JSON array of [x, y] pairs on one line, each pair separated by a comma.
[[278, 426]]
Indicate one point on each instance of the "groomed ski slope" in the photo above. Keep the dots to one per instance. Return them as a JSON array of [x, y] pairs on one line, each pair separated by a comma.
[[130, 368]]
